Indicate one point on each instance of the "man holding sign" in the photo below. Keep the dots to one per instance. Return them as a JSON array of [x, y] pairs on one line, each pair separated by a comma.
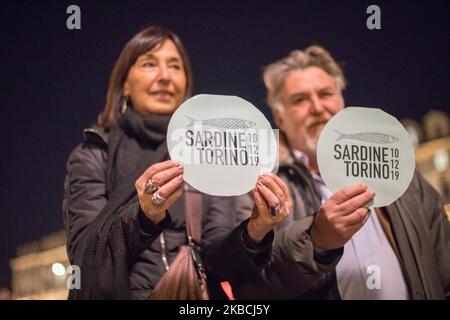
[[342, 249]]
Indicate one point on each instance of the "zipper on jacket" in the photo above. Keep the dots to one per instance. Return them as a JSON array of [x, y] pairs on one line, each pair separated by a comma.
[[163, 251]]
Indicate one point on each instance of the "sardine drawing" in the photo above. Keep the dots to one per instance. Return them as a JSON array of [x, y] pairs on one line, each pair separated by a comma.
[[223, 123], [372, 137]]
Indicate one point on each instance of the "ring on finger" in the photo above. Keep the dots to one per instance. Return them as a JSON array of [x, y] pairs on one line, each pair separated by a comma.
[[157, 200], [275, 210], [151, 186]]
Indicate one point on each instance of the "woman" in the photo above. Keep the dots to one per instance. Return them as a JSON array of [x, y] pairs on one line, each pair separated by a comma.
[[123, 203]]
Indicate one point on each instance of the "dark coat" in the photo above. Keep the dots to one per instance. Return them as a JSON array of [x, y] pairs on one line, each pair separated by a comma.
[[419, 225], [85, 196]]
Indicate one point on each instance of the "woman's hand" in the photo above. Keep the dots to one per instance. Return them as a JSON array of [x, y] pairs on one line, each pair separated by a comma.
[[159, 187], [272, 205]]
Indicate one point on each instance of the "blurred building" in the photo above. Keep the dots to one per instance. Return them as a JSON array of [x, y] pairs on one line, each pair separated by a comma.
[[39, 270], [431, 140]]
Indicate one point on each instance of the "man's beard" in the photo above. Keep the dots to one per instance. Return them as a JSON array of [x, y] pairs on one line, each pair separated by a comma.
[[317, 120], [311, 143], [314, 128]]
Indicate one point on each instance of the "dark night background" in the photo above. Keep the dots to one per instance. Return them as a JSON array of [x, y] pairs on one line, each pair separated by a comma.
[[54, 81]]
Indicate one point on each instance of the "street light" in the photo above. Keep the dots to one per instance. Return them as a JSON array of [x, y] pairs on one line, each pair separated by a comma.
[[58, 269]]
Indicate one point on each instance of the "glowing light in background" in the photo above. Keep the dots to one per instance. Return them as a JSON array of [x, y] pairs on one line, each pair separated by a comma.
[[441, 160], [58, 269]]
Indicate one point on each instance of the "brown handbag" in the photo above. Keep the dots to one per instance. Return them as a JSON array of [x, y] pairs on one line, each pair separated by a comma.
[[186, 278]]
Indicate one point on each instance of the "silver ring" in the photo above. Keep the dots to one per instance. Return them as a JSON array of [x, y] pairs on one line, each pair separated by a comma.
[[150, 186], [275, 210], [157, 200]]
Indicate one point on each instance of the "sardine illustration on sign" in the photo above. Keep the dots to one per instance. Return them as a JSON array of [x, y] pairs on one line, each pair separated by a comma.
[[371, 137], [223, 123]]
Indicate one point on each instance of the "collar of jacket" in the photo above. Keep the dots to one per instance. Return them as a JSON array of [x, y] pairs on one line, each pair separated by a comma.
[[96, 135]]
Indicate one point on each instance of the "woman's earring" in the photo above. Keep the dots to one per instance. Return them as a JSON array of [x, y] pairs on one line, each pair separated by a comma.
[[124, 106]]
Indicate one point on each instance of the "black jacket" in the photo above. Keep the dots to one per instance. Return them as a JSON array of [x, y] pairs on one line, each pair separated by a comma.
[[419, 225], [134, 244]]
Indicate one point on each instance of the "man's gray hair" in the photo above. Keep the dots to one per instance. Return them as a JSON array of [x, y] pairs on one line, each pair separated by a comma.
[[274, 74]]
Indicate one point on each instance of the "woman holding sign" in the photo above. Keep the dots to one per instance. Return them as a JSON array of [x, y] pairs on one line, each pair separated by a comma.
[[124, 205]]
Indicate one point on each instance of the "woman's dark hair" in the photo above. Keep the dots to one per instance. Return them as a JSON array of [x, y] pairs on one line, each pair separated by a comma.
[[141, 43]]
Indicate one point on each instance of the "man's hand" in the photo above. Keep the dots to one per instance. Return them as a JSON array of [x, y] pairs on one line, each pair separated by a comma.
[[340, 217]]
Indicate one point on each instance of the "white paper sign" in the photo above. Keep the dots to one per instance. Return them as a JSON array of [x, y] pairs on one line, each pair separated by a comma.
[[224, 143], [366, 145]]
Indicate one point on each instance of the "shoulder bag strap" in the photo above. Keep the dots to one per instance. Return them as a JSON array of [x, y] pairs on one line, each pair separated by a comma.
[[193, 205]]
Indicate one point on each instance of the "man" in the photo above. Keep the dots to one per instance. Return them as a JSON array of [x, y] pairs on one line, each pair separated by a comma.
[[331, 246]]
